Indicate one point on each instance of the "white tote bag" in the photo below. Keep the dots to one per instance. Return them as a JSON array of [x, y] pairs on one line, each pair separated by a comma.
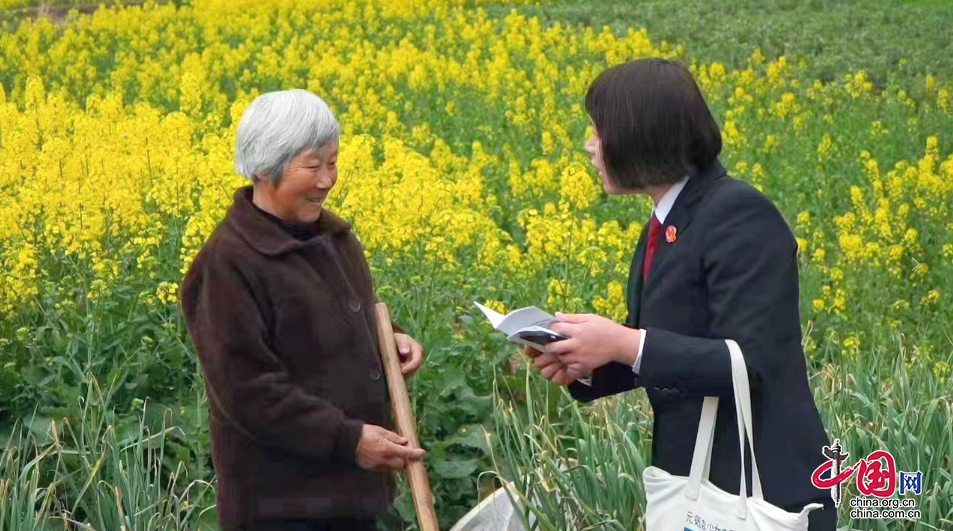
[[676, 503]]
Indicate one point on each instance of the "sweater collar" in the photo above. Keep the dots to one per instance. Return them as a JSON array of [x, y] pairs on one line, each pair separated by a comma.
[[269, 238]]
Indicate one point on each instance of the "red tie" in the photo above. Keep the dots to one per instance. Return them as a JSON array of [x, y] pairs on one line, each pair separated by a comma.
[[654, 229]]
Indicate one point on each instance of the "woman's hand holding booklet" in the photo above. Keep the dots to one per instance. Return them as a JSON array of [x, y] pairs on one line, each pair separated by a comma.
[[525, 326]]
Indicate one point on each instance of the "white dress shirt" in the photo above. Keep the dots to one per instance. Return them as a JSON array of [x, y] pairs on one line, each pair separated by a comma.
[[661, 211]]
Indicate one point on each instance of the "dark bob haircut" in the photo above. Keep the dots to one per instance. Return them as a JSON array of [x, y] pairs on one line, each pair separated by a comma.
[[654, 123]]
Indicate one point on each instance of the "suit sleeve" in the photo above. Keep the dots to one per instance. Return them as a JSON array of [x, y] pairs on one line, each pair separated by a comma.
[[247, 381], [610, 379], [751, 275]]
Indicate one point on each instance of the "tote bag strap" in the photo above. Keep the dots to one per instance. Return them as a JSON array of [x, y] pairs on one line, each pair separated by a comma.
[[739, 377], [701, 458]]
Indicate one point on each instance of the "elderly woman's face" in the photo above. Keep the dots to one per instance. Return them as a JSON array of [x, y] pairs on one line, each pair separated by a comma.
[[305, 184]]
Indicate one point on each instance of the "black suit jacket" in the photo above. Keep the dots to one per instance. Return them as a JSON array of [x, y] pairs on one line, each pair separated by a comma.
[[732, 273]]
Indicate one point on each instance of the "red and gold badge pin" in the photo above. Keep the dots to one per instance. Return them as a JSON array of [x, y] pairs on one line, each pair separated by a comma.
[[671, 234]]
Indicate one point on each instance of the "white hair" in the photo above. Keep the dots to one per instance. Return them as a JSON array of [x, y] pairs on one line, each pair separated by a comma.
[[276, 127]]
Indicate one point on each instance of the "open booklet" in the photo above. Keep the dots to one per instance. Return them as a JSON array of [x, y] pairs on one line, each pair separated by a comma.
[[526, 326]]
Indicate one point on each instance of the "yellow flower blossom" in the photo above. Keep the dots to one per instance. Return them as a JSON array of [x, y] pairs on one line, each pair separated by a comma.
[[612, 305], [801, 244], [941, 371], [167, 292], [851, 347], [931, 297], [496, 306]]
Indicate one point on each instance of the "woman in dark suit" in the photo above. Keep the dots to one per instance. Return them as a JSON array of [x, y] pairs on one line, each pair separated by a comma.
[[715, 261]]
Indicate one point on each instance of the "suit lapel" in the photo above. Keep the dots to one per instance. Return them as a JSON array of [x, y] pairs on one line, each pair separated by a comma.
[[680, 217], [634, 288]]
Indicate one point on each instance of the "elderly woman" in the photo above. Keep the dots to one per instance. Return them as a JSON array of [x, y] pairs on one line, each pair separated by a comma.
[[279, 305]]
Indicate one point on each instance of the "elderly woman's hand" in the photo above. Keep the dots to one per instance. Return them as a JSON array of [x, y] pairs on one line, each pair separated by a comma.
[[380, 450], [593, 341], [410, 352]]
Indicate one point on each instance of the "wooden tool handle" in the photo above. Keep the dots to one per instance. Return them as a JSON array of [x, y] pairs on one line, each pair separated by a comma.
[[419, 486]]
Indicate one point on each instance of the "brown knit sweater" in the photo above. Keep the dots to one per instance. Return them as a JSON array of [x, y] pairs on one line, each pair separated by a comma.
[[284, 329]]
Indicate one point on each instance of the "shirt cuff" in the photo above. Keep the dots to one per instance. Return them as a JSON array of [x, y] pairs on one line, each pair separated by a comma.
[[638, 360], [635, 366]]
